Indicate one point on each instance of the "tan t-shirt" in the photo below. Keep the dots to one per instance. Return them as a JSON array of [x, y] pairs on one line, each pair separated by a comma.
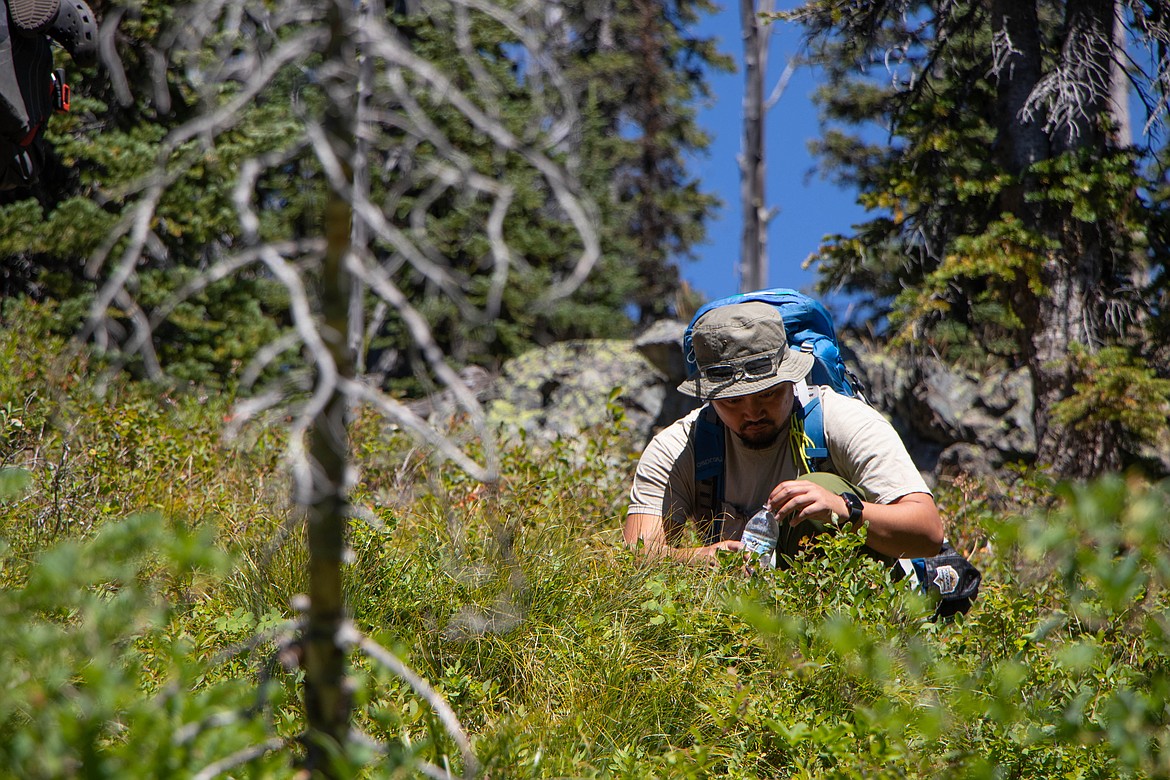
[[863, 448]]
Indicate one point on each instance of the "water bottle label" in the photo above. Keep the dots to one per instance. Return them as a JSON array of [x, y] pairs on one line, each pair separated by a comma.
[[757, 545]]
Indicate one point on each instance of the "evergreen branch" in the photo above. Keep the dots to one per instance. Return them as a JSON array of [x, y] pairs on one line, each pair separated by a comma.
[[137, 223]]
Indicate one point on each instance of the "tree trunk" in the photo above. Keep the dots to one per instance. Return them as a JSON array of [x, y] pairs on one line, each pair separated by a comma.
[[1119, 83], [753, 260], [328, 703], [1071, 311], [1066, 310], [1017, 47]]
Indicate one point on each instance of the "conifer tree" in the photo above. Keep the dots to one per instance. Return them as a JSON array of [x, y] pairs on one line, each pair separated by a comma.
[[1011, 218], [640, 71], [652, 212]]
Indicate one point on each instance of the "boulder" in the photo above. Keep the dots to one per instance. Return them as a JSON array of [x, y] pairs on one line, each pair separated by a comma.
[[661, 344], [564, 389]]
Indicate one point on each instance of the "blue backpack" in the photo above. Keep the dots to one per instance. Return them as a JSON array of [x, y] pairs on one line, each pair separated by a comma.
[[809, 328]]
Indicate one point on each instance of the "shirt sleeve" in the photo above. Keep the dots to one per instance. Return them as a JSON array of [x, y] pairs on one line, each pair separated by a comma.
[[867, 451], [664, 479]]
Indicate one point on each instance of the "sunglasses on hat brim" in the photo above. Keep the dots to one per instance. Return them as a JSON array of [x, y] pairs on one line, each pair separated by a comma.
[[753, 368]]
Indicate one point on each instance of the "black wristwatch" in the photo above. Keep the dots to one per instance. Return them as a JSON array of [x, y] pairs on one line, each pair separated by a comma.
[[855, 507]]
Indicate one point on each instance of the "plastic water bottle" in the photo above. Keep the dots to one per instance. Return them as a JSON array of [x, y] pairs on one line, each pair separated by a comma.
[[760, 535]]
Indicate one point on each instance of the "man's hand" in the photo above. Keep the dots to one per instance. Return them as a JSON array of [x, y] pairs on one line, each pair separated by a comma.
[[798, 500], [907, 527], [709, 555]]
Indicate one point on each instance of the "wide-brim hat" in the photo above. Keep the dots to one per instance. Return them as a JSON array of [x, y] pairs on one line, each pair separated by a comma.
[[742, 349]]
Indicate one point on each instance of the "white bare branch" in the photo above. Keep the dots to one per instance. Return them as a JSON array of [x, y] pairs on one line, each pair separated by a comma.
[[1002, 52], [108, 52], [446, 715], [305, 323], [579, 211], [376, 220], [239, 758], [381, 97], [420, 331], [1071, 94], [781, 84], [401, 415]]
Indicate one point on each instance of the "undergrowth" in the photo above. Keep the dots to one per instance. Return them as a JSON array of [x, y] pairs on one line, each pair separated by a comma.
[[148, 565]]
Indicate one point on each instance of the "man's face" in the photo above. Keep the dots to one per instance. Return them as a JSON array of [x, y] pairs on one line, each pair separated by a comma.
[[758, 419]]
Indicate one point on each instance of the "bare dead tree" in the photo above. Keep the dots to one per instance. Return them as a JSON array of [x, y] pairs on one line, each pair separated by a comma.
[[377, 101], [757, 33], [753, 258]]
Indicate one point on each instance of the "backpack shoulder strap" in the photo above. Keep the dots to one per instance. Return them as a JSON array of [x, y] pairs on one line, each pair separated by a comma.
[[807, 434], [708, 443]]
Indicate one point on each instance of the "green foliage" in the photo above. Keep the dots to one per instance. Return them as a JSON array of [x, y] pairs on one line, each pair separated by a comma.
[[100, 678], [1119, 393], [210, 336], [1009, 219], [13, 482]]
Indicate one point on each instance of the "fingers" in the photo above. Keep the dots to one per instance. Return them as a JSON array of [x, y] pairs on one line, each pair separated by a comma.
[[796, 501], [710, 553]]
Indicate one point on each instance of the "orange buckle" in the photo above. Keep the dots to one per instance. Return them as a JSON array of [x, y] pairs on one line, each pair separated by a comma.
[[61, 92]]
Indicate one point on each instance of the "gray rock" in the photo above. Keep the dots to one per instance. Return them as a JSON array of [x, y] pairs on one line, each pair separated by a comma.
[[564, 389], [661, 344], [949, 398]]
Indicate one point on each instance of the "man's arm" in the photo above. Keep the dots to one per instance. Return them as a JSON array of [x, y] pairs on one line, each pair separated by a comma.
[[907, 527], [653, 533]]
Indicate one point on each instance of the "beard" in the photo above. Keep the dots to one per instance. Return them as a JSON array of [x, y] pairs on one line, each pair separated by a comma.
[[759, 435]]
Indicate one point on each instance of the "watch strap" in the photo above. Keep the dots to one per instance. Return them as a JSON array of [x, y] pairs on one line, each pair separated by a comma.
[[855, 506]]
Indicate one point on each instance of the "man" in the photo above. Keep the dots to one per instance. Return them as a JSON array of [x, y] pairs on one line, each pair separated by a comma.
[[750, 378]]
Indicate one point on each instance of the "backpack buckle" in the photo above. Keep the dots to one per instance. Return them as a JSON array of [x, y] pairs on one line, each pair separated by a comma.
[[61, 92]]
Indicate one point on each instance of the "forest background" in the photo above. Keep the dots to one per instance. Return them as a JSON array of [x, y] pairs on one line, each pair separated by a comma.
[[273, 223]]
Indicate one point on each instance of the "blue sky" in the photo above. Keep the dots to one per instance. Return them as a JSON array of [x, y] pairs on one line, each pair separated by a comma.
[[808, 207]]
